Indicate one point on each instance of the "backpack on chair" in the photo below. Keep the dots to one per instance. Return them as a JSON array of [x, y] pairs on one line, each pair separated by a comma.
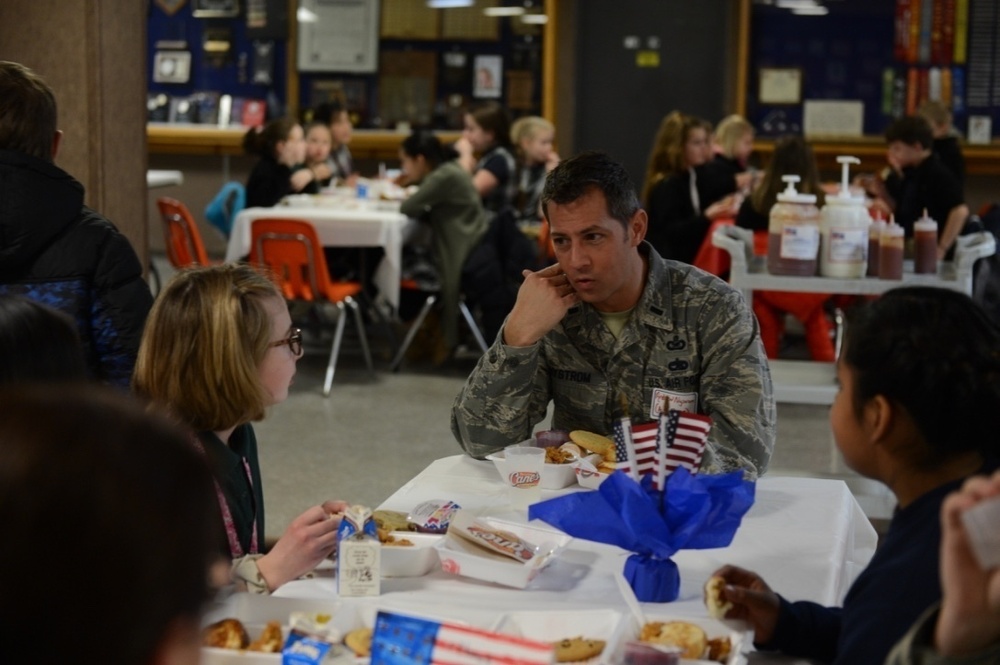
[[223, 208]]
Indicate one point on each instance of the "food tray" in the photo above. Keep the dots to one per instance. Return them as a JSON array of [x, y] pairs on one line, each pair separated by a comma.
[[415, 561], [554, 476]]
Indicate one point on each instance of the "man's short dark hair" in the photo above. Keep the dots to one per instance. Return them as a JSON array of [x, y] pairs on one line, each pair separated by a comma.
[[577, 176], [27, 112], [911, 129]]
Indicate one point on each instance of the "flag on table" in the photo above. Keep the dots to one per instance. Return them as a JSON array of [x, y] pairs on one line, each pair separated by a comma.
[[687, 434], [625, 448], [644, 442]]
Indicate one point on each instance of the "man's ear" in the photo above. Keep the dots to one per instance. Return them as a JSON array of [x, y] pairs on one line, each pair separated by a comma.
[[879, 416], [56, 142], [638, 225]]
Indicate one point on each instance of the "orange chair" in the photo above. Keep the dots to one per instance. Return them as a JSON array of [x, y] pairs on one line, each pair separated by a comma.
[[184, 245], [291, 250]]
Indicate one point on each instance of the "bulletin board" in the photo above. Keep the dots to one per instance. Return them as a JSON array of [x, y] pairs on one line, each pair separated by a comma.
[[877, 59]]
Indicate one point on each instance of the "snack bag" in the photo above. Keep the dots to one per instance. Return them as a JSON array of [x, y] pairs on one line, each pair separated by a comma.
[[433, 516]]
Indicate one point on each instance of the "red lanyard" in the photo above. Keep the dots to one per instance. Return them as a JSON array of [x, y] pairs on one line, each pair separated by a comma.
[[235, 548]]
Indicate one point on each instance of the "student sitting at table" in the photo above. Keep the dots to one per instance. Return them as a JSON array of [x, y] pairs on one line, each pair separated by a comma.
[[110, 531], [732, 143], [532, 136], [947, 141], [449, 204], [487, 134], [965, 628], [218, 350], [676, 191], [338, 120], [280, 170], [917, 180], [318, 139], [916, 410], [792, 156]]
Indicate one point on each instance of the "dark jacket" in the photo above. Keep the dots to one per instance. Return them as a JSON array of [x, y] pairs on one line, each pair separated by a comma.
[[55, 250]]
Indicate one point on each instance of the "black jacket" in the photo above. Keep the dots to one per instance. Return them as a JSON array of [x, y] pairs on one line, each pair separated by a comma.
[[58, 252]]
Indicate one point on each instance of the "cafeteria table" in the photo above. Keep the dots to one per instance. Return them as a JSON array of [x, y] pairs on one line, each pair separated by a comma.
[[807, 537], [340, 222]]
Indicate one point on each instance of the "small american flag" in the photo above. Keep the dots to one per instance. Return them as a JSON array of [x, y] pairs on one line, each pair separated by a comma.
[[625, 448], [644, 440], [686, 435]]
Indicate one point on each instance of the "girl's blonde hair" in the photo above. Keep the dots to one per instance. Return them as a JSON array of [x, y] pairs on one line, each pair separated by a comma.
[[528, 127], [204, 341], [667, 157], [730, 130]]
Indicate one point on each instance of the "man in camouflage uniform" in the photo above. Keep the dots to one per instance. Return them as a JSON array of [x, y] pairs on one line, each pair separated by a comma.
[[614, 319]]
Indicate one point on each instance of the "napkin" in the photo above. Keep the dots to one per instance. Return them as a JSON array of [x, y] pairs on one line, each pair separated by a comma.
[[693, 512]]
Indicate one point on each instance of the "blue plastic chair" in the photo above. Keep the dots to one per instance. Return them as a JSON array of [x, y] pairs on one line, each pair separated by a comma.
[[223, 208]]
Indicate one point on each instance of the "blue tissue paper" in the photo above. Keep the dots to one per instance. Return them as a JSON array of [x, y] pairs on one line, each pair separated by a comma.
[[693, 512]]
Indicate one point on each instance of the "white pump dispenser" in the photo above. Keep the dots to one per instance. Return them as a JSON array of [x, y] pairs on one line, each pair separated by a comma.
[[844, 230]]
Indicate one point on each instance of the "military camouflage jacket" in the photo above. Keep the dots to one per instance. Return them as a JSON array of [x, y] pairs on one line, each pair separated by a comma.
[[691, 343]]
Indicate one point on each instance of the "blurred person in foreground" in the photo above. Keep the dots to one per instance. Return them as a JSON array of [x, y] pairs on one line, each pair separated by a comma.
[[109, 525], [965, 628], [38, 344], [54, 249], [610, 319]]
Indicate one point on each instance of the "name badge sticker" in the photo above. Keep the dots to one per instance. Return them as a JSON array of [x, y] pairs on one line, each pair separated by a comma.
[[665, 400]]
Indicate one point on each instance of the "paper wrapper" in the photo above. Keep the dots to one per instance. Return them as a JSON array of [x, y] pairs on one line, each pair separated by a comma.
[[694, 512]]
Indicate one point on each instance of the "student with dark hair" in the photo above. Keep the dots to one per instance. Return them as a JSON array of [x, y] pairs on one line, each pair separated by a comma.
[[219, 349], [336, 117], [487, 134], [918, 180], [447, 201], [611, 319], [55, 250], [134, 509], [38, 343], [916, 410], [280, 171]]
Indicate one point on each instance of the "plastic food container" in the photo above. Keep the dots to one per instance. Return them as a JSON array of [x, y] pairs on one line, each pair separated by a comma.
[[461, 557], [300, 201], [586, 474], [554, 476], [410, 561]]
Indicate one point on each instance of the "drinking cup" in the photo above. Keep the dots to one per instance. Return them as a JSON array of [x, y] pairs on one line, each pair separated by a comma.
[[524, 475]]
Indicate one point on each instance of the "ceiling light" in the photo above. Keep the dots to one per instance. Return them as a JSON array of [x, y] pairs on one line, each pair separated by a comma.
[[503, 11], [445, 4], [811, 11], [535, 19], [306, 15], [796, 4]]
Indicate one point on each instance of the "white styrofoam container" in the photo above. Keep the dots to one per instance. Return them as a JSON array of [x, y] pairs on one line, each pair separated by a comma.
[[555, 625], [554, 476], [461, 557], [586, 474], [739, 633], [410, 561]]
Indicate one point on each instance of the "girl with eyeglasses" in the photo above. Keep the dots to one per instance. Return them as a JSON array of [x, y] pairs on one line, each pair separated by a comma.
[[218, 349]]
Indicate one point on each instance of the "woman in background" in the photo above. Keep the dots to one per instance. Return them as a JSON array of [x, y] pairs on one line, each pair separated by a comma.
[[280, 171], [487, 134], [448, 202], [674, 193], [218, 350], [532, 136]]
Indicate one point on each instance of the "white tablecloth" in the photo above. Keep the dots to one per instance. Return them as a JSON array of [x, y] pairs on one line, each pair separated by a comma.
[[807, 537], [340, 223], [161, 178]]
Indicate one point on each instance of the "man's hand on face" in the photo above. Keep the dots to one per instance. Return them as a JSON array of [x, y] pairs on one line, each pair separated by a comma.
[[542, 302]]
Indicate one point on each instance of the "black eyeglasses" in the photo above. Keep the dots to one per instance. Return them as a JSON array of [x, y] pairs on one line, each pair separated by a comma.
[[294, 342]]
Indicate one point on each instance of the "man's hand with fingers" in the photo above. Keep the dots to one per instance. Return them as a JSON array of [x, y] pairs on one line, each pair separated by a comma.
[[542, 302]]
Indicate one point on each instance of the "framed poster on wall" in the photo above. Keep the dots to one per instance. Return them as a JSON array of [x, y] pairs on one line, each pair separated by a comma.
[[338, 35]]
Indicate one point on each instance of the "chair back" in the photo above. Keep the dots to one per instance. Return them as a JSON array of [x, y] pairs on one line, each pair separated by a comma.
[[291, 250], [184, 245], [224, 206]]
